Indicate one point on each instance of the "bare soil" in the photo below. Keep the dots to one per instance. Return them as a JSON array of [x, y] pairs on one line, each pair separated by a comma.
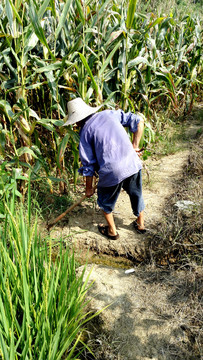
[[159, 178], [149, 309]]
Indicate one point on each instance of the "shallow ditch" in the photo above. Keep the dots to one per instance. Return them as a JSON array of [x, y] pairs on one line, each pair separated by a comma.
[[117, 262]]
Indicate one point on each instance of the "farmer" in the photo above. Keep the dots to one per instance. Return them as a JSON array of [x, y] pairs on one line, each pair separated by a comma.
[[105, 149]]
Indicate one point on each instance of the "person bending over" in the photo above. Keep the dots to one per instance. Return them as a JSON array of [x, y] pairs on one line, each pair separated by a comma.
[[105, 149]]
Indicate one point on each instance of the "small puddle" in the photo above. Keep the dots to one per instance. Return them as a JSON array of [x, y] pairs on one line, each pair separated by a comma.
[[105, 260]]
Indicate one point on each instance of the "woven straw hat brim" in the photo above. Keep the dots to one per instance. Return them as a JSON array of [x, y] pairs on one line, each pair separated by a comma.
[[78, 110]]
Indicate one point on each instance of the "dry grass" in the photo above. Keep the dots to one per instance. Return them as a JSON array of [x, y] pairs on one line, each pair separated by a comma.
[[179, 236], [177, 244]]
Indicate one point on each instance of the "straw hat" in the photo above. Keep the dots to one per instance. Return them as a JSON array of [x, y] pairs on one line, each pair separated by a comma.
[[79, 110]]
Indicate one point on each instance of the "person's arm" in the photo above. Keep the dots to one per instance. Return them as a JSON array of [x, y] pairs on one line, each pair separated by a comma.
[[135, 123], [89, 186], [88, 160], [137, 135]]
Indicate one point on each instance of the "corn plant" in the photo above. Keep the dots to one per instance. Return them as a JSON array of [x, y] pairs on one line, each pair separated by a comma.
[[113, 52], [42, 302], [28, 78]]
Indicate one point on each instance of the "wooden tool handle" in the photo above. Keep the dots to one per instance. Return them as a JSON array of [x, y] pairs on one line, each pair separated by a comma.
[[49, 226], [66, 212]]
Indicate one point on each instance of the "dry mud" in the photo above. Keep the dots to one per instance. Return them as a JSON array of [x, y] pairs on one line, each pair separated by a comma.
[[159, 181], [144, 318]]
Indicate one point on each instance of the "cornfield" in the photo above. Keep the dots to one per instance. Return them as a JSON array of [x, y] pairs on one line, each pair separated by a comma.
[[103, 51]]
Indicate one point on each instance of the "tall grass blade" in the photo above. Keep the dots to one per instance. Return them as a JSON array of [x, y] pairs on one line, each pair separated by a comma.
[[29, 200], [12, 346], [3, 347], [55, 343], [4, 319]]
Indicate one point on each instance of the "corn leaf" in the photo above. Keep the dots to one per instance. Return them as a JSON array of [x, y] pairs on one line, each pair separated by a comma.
[[15, 12], [108, 59], [38, 28], [95, 86], [9, 14], [138, 60], [130, 14], [6, 109], [80, 11], [63, 17], [26, 150], [156, 22], [53, 8], [31, 39], [48, 68], [62, 149]]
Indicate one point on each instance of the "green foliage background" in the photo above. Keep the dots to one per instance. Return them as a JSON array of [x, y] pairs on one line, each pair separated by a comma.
[[123, 53]]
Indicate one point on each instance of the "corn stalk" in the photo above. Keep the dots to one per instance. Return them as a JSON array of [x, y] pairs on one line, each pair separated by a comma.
[[52, 51]]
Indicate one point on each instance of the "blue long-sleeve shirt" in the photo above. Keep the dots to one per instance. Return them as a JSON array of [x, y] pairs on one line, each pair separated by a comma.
[[105, 147]]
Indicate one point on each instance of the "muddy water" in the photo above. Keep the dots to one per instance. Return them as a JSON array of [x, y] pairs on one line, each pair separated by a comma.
[[117, 262]]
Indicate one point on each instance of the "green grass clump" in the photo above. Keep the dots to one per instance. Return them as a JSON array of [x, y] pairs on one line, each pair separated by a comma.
[[42, 302]]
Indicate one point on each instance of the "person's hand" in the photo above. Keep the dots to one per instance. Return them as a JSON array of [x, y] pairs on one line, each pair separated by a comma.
[[138, 151], [89, 192]]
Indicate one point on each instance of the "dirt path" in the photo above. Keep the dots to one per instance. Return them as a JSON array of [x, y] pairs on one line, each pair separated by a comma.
[[82, 223], [147, 313], [143, 321]]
